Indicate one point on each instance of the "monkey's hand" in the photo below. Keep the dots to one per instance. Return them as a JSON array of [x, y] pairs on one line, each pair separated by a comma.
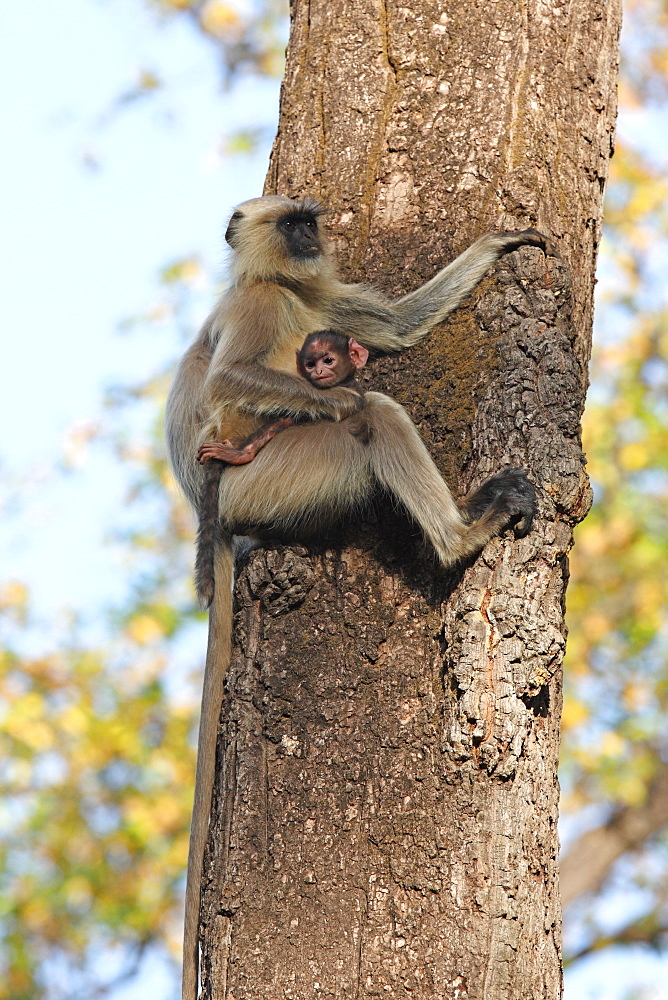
[[264, 392], [354, 393], [413, 315]]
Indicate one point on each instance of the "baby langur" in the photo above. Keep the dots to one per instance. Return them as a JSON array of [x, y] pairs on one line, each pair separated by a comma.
[[326, 359]]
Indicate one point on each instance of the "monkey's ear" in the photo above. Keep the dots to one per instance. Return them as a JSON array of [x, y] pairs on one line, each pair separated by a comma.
[[232, 227], [358, 354]]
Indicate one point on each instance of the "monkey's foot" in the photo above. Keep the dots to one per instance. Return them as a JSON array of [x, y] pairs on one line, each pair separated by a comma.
[[510, 493], [224, 451]]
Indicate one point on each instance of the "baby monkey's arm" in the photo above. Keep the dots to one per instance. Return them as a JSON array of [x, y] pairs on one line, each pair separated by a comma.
[[224, 451]]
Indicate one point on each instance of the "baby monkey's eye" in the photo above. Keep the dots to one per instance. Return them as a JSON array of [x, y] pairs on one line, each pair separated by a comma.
[[329, 360]]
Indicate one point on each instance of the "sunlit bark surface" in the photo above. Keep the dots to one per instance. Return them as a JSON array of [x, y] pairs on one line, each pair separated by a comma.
[[386, 806]]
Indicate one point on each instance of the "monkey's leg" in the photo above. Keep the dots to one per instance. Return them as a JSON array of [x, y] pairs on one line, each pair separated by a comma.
[[403, 465], [311, 473]]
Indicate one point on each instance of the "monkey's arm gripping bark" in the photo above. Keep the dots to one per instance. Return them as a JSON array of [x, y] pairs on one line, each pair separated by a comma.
[[392, 326], [422, 309], [268, 393]]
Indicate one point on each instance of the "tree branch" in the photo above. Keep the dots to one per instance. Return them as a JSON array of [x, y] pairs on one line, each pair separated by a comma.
[[588, 862], [648, 929]]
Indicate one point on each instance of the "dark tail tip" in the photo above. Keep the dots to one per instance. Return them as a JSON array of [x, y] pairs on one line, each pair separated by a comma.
[[206, 534], [204, 587]]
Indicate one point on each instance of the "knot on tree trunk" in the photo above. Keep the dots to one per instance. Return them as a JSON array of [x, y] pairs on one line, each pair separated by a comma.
[[280, 578]]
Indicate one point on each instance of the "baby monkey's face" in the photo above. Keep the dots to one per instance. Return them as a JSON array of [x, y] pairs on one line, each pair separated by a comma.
[[325, 367]]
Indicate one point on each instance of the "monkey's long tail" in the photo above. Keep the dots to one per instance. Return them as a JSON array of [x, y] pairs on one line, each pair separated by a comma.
[[217, 663], [207, 533]]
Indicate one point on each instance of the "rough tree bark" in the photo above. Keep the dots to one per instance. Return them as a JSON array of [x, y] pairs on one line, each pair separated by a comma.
[[385, 816]]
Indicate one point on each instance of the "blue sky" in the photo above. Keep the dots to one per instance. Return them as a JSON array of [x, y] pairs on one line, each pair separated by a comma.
[[94, 200], [81, 246]]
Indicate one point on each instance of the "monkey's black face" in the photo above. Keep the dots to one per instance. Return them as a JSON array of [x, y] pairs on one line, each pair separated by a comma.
[[300, 232]]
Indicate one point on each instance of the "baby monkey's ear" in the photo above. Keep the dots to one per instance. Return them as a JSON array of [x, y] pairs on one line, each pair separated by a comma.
[[358, 355], [300, 367]]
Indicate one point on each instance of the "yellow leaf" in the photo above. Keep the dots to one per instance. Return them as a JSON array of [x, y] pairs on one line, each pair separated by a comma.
[[631, 788], [648, 597], [13, 594], [634, 456], [166, 812], [636, 697], [187, 270], [192, 272], [619, 529], [35, 914], [148, 80], [595, 625], [144, 629], [140, 818], [74, 721], [612, 745], [79, 892], [574, 713], [38, 736], [30, 707], [591, 540], [217, 18]]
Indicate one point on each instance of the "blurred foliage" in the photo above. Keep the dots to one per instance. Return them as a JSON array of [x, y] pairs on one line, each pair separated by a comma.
[[644, 55], [96, 743], [616, 670], [95, 776], [249, 35], [97, 751]]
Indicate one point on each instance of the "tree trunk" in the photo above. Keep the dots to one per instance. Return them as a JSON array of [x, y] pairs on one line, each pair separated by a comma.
[[386, 809]]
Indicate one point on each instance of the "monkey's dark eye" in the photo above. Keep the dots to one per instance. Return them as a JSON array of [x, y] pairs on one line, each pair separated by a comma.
[[329, 360], [310, 364], [288, 224], [312, 224]]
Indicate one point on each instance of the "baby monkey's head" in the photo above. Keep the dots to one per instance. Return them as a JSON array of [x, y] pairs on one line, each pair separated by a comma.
[[328, 358]]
